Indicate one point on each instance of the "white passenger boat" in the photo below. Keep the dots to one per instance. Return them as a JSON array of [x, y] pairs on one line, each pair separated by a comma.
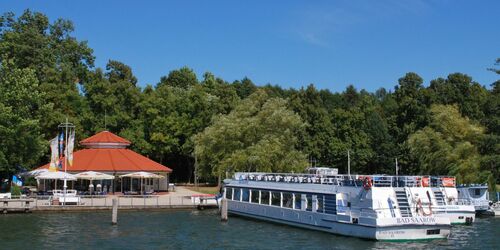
[[361, 206], [441, 194], [476, 195]]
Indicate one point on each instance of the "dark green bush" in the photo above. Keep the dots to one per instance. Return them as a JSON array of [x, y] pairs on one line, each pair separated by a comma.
[[15, 190]]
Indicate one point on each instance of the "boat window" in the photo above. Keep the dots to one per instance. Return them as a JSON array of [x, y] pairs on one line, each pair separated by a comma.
[[477, 191], [275, 198], [298, 201], [330, 204], [237, 192], [229, 193], [255, 196], [264, 197], [245, 195], [308, 202], [288, 200], [319, 203]]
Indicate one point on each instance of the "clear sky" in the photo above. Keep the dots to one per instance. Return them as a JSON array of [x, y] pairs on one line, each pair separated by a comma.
[[332, 44]]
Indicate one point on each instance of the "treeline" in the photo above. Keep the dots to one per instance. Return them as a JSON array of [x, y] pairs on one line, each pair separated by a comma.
[[452, 126]]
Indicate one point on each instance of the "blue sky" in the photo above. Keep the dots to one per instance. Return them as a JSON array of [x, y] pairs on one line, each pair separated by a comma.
[[332, 44]]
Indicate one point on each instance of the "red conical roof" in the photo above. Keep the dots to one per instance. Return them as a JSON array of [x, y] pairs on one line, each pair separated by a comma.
[[105, 138], [107, 152], [112, 160]]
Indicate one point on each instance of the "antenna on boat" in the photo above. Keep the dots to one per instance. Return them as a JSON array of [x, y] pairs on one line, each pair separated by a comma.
[[348, 163], [396, 166]]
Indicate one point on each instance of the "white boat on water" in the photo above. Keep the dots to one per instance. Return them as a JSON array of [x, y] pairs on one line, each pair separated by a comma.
[[204, 199], [68, 198], [442, 194], [372, 207], [476, 195], [496, 208]]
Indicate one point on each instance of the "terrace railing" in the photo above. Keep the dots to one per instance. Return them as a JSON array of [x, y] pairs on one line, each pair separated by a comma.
[[105, 201]]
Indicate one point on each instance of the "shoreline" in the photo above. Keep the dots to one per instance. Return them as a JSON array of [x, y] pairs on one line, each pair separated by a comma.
[[181, 199]]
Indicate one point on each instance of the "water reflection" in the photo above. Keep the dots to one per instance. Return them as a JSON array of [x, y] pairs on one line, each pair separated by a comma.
[[193, 229]]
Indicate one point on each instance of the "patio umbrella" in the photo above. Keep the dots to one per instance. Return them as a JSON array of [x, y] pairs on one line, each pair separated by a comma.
[[91, 175], [142, 175], [56, 176], [35, 172]]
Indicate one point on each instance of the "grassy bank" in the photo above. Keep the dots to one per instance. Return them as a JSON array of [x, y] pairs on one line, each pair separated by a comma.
[[205, 190]]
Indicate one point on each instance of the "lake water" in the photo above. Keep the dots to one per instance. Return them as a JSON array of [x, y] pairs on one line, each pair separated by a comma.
[[193, 229]]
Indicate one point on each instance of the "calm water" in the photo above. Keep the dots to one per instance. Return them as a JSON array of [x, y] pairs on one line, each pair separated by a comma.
[[202, 230]]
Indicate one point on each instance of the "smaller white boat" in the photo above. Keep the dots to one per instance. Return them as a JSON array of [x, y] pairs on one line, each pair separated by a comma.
[[70, 198], [476, 195], [204, 199], [5, 195], [495, 208]]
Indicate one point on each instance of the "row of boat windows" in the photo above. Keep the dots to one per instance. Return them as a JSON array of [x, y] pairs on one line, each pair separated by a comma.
[[319, 203]]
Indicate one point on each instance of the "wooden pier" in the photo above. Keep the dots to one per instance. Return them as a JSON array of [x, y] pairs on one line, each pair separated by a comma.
[[16, 205]]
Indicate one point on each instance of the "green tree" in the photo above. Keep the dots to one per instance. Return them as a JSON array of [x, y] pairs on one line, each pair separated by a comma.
[[448, 146], [496, 70], [319, 131], [411, 112], [260, 134], [22, 107], [113, 98], [60, 62], [224, 92], [181, 78], [244, 88], [489, 147], [461, 90]]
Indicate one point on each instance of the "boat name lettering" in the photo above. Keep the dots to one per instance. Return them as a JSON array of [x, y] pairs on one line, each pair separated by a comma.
[[416, 220]]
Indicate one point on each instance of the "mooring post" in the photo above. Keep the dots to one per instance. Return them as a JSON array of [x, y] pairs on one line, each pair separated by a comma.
[[223, 210], [114, 217]]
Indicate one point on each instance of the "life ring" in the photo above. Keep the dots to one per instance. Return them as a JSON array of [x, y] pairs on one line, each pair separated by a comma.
[[367, 183], [421, 209]]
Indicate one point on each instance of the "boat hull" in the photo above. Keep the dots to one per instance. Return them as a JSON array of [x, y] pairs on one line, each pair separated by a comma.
[[458, 214], [386, 229]]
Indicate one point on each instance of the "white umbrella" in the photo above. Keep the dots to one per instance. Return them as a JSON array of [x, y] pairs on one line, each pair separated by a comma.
[[91, 175], [35, 172], [141, 174], [58, 175]]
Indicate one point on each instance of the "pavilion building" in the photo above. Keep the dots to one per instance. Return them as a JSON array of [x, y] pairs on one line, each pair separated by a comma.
[[107, 153]]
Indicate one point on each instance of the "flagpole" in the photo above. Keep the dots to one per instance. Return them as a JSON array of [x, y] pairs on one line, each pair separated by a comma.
[[65, 159], [67, 126]]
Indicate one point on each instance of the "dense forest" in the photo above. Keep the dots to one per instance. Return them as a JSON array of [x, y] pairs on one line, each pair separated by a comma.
[[450, 126]]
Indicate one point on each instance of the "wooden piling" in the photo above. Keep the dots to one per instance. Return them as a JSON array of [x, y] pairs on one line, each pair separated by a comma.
[[223, 210], [114, 216]]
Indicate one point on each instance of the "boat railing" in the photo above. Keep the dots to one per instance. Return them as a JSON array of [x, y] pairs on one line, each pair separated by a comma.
[[467, 201], [349, 180]]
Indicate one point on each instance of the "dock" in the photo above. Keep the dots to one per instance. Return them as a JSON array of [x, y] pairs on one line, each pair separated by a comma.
[[16, 205], [181, 199]]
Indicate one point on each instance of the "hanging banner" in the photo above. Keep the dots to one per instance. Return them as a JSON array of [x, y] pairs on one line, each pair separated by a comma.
[[70, 147], [17, 181], [61, 150], [54, 157]]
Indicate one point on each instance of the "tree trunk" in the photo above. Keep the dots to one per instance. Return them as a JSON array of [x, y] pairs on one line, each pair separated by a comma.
[[190, 169], [219, 181]]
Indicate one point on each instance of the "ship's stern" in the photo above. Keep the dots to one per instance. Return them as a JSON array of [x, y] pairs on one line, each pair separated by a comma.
[[412, 228]]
